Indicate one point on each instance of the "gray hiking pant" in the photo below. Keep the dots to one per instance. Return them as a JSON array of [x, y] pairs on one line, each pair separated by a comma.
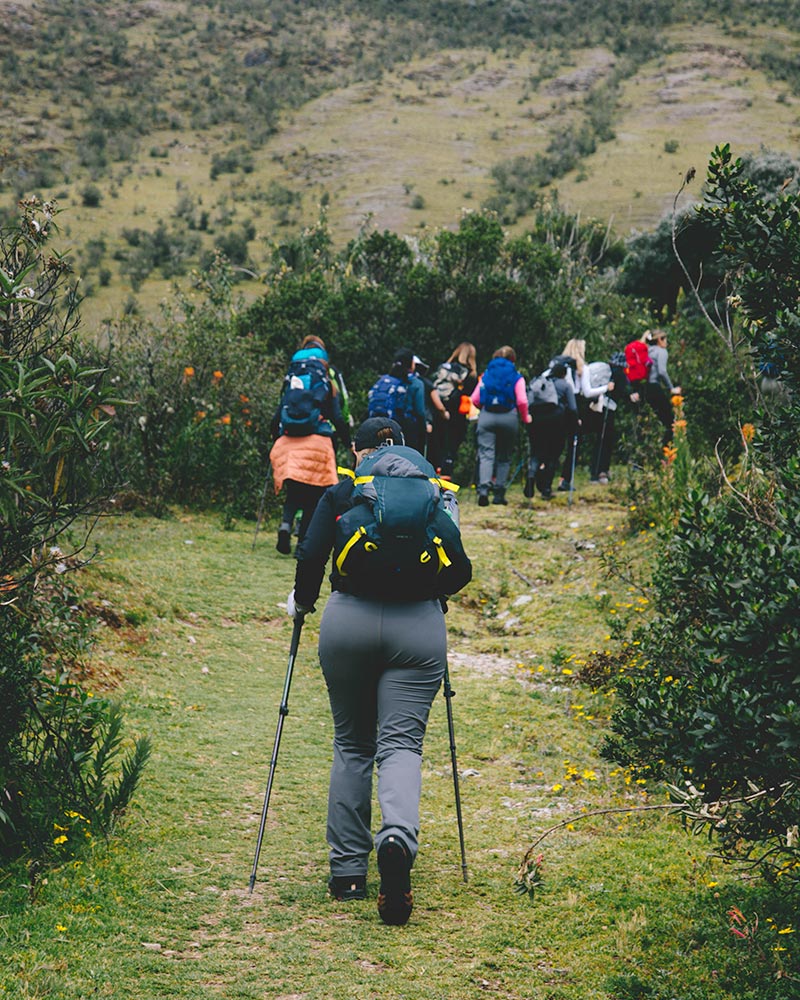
[[497, 435], [383, 664]]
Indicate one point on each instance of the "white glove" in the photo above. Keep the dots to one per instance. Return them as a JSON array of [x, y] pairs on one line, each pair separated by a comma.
[[294, 609]]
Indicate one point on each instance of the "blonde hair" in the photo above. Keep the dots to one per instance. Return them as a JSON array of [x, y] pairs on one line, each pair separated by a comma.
[[576, 349], [506, 352], [465, 354]]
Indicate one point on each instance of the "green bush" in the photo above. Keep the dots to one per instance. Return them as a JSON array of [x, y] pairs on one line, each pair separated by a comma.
[[66, 775], [712, 703], [63, 774]]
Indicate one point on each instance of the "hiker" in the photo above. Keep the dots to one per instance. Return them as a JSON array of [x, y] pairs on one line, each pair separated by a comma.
[[454, 381], [638, 362], [658, 381], [402, 398], [434, 407], [383, 648], [574, 358], [554, 417], [500, 396], [303, 456], [603, 386]]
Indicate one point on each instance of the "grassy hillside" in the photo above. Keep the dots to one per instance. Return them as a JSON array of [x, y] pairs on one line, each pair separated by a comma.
[[165, 129]]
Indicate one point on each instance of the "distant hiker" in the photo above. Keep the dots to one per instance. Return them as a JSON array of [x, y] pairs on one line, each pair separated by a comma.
[[658, 381], [434, 407], [303, 456], [604, 385], [554, 417], [574, 358], [638, 362], [397, 554], [454, 381], [500, 396], [402, 398]]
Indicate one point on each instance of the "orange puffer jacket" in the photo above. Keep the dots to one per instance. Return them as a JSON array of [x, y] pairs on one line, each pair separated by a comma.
[[309, 460]]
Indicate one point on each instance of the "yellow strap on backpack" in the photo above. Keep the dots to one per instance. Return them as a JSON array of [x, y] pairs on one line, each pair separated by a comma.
[[445, 484], [444, 559], [345, 472], [361, 530]]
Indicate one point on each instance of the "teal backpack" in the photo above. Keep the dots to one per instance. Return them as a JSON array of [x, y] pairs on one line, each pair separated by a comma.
[[398, 541]]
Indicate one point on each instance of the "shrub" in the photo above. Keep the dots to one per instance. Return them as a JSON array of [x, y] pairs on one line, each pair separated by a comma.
[[59, 747]]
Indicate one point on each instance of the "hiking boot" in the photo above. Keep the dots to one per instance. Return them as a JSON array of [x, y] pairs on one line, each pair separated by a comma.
[[395, 899], [284, 543], [546, 495], [344, 887], [528, 488], [483, 499], [499, 496], [563, 486]]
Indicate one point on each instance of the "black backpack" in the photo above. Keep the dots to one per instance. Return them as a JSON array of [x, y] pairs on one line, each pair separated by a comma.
[[398, 542]]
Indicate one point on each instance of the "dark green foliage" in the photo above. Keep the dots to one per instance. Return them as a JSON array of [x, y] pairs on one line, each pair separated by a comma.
[[66, 775], [55, 409], [714, 704], [63, 775]]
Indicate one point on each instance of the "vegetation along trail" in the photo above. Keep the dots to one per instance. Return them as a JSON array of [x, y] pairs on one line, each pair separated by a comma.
[[164, 910]]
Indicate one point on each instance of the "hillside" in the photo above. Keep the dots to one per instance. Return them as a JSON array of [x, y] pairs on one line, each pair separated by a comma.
[[164, 129]]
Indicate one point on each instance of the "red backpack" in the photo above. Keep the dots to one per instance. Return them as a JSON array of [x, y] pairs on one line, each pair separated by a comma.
[[637, 361]]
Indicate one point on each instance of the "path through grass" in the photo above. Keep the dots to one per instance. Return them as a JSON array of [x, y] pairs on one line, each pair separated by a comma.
[[164, 911]]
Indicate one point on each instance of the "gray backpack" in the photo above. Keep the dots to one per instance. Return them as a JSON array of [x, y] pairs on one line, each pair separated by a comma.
[[542, 394]]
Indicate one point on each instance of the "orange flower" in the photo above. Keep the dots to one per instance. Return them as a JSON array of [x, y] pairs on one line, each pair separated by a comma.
[[200, 415], [225, 420], [670, 454], [748, 432], [188, 371], [243, 398], [217, 376], [676, 400], [680, 424]]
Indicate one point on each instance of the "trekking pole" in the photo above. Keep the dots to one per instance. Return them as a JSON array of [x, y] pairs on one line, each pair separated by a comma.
[[261, 505], [449, 694], [283, 711], [572, 471]]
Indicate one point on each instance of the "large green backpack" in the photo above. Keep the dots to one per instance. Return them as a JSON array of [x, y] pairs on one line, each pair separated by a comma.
[[398, 541]]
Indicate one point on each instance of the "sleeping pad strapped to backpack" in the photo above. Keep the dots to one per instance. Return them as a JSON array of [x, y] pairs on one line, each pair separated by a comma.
[[398, 542]]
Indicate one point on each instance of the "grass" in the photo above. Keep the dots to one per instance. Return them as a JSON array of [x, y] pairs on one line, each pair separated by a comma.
[[629, 906]]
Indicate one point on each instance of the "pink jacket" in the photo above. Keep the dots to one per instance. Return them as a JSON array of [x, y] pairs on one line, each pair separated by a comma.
[[520, 397]]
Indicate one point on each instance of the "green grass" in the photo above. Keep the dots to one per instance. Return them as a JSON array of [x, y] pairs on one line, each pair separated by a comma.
[[629, 901]]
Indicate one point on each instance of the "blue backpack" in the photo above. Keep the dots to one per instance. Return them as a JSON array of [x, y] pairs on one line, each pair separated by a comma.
[[388, 397], [306, 400], [497, 386]]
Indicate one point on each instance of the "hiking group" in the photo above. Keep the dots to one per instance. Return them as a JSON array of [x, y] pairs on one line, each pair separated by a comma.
[[391, 528]]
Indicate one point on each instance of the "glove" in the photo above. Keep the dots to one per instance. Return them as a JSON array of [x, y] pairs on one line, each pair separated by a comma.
[[294, 609]]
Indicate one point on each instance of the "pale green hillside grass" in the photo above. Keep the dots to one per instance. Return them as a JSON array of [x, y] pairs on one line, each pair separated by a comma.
[[416, 148], [699, 96]]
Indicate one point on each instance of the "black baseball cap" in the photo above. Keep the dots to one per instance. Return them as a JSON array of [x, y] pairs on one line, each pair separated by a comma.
[[369, 433]]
